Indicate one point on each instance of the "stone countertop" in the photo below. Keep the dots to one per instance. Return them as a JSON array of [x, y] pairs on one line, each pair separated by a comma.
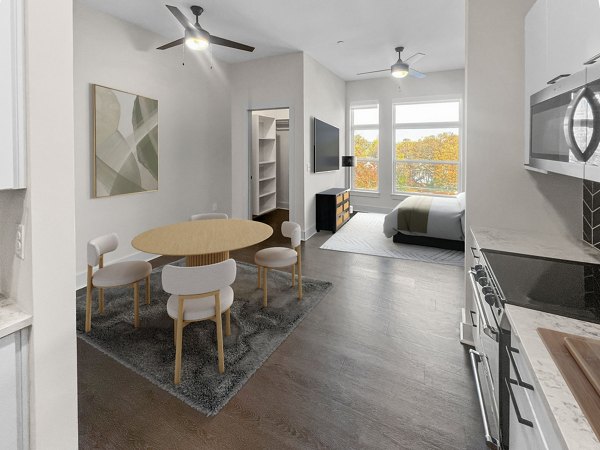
[[12, 318], [570, 420], [536, 244]]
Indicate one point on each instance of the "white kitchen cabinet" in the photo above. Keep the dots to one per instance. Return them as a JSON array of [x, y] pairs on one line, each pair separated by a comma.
[[536, 48], [573, 34], [560, 35], [528, 399], [12, 116], [13, 391]]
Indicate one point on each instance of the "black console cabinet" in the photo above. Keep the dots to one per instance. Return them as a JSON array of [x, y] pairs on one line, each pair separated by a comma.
[[333, 209]]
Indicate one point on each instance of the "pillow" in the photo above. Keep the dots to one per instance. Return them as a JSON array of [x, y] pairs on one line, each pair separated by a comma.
[[462, 201]]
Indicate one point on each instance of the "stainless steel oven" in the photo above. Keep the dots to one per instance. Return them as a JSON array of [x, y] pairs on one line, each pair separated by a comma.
[[487, 298]]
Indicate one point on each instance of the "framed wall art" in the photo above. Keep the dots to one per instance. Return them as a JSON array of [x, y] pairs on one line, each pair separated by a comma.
[[125, 142]]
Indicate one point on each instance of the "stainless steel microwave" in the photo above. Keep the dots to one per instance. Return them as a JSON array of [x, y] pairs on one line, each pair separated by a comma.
[[565, 126]]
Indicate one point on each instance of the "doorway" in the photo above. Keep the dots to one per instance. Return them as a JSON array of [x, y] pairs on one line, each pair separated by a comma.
[[270, 167]]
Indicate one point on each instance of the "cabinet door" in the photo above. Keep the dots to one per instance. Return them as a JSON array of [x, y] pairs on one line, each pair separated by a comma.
[[12, 134], [573, 34], [536, 48], [9, 392]]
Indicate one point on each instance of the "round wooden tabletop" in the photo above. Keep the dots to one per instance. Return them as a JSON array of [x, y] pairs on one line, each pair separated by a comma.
[[200, 237]]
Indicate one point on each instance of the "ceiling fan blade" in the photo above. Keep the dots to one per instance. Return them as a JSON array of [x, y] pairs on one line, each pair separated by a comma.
[[416, 74], [373, 71], [414, 58], [181, 18], [232, 44], [171, 44]]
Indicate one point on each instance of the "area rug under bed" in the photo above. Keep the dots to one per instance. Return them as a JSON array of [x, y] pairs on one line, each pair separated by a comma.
[[364, 234], [255, 333]]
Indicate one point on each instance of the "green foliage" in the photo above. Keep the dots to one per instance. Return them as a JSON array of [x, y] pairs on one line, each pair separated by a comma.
[[416, 177]]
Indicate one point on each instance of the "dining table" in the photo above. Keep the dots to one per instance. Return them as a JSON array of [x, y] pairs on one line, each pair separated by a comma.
[[202, 242]]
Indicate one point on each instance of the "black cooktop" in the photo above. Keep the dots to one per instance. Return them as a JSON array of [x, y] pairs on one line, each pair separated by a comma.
[[566, 288]]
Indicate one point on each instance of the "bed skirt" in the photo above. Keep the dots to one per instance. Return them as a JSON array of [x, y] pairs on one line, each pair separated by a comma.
[[447, 244]]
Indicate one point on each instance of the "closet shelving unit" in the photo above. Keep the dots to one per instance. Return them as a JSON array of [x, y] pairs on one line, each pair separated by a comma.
[[264, 162]]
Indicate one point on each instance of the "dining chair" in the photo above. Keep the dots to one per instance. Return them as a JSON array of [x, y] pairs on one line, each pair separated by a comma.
[[199, 293], [113, 275], [277, 257], [209, 216]]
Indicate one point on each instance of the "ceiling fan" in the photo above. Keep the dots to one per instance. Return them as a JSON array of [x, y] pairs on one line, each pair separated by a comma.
[[196, 37], [401, 68]]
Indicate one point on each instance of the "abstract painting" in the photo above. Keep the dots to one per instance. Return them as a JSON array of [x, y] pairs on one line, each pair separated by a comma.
[[125, 142]]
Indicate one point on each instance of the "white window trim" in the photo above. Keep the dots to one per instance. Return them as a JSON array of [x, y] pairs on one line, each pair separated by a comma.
[[426, 125], [352, 127]]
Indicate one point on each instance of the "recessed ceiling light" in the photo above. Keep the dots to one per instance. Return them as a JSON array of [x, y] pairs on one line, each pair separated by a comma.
[[340, 42]]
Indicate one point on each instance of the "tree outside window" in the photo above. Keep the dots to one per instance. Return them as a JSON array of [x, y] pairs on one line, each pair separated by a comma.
[[365, 143], [427, 148]]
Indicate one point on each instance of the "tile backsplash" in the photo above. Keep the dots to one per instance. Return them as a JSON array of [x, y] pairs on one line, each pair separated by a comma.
[[591, 213]]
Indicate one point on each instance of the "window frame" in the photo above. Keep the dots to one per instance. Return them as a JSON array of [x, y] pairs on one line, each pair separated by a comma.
[[423, 126], [352, 128]]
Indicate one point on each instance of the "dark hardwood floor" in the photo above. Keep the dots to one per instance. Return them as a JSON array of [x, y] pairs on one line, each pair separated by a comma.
[[377, 364]]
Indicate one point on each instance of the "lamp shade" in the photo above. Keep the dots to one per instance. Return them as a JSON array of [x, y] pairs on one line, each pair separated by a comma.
[[348, 161]]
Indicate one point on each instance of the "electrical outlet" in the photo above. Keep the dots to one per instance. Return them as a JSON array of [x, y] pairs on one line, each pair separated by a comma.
[[20, 241]]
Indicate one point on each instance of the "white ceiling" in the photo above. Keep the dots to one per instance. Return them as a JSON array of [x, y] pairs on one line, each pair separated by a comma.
[[370, 29]]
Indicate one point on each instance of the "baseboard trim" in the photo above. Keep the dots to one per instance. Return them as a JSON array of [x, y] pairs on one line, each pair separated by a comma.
[[81, 277], [283, 205], [309, 232]]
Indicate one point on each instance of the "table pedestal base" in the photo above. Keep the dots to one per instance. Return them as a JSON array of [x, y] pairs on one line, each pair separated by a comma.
[[207, 259]]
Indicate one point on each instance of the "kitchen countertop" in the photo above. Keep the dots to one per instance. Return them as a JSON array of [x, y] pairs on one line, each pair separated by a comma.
[[570, 420], [536, 244], [12, 318]]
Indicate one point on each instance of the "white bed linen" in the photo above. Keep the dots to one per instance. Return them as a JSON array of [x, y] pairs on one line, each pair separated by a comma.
[[446, 219]]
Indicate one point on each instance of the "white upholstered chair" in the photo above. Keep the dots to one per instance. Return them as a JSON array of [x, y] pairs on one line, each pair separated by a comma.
[[277, 257], [114, 275], [199, 293], [209, 216]]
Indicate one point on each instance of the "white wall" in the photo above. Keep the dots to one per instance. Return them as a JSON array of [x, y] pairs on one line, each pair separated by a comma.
[[387, 91], [325, 99], [274, 82], [194, 130], [500, 192], [43, 283]]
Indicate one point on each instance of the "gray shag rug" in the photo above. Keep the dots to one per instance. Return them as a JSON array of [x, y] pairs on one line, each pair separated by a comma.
[[150, 351]]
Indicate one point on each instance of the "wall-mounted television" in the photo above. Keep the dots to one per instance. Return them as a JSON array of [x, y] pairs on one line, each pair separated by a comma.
[[326, 147]]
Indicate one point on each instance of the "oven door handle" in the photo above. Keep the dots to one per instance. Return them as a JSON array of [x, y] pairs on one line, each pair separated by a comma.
[[487, 327], [490, 441]]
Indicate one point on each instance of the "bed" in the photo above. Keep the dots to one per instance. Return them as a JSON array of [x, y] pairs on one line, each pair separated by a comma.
[[430, 221]]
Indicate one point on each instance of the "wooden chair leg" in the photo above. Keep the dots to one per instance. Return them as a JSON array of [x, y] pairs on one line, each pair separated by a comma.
[[265, 271], [148, 290], [178, 345], [219, 334], [88, 308], [101, 300], [299, 278], [136, 305], [175, 332], [293, 275], [259, 275], [228, 322]]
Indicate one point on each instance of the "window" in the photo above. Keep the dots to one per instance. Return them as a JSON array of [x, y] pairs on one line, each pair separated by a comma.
[[427, 148], [365, 143]]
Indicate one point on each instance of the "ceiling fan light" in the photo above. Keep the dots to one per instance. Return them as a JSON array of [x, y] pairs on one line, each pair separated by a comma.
[[399, 70], [197, 41]]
